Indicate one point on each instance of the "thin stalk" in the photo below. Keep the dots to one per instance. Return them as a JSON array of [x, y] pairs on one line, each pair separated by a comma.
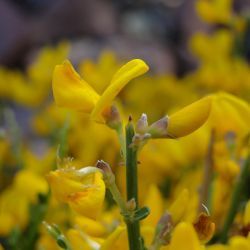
[[118, 198], [133, 227], [235, 201], [207, 175]]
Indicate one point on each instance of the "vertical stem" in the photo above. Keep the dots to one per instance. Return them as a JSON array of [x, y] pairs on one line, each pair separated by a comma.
[[235, 201], [133, 227], [207, 175]]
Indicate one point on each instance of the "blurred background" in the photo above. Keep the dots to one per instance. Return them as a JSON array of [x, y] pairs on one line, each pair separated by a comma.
[[155, 30]]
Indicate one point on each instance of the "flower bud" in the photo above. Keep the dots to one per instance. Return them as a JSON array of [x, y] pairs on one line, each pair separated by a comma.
[[190, 118], [113, 118], [108, 175], [159, 128], [142, 124]]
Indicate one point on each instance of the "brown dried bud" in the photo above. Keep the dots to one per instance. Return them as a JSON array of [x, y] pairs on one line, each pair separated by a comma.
[[204, 227]]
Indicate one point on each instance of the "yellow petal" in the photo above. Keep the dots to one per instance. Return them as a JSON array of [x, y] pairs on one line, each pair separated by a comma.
[[70, 91], [91, 227], [239, 243], [125, 74], [34, 184], [190, 118], [232, 109], [156, 208], [84, 194], [77, 241], [115, 241], [89, 201], [184, 238]]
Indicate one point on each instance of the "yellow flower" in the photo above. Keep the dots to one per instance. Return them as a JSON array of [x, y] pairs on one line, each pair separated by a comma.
[[190, 118], [34, 184], [215, 11], [229, 114], [84, 192], [71, 91], [184, 238]]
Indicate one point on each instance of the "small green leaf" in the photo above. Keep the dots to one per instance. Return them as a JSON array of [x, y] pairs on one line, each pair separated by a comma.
[[141, 213], [61, 242]]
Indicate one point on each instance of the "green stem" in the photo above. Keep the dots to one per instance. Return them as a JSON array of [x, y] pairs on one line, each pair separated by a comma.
[[235, 201], [133, 227]]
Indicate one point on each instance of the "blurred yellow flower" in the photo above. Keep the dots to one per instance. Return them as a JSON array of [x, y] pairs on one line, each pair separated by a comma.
[[71, 91], [239, 243], [215, 11], [90, 226], [84, 192], [229, 114], [184, 238], [177, 209]]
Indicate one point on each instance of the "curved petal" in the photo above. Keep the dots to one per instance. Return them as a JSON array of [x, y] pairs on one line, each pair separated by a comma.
[[70, 90], [125, 74]]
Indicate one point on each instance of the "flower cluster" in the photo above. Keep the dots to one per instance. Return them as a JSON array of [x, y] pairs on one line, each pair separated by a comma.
[[124, 159]]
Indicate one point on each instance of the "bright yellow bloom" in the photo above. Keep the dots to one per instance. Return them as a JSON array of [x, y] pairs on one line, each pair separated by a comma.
[[71, 91], [184, 238], [190, 118], [229, 114], [83, 192]]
